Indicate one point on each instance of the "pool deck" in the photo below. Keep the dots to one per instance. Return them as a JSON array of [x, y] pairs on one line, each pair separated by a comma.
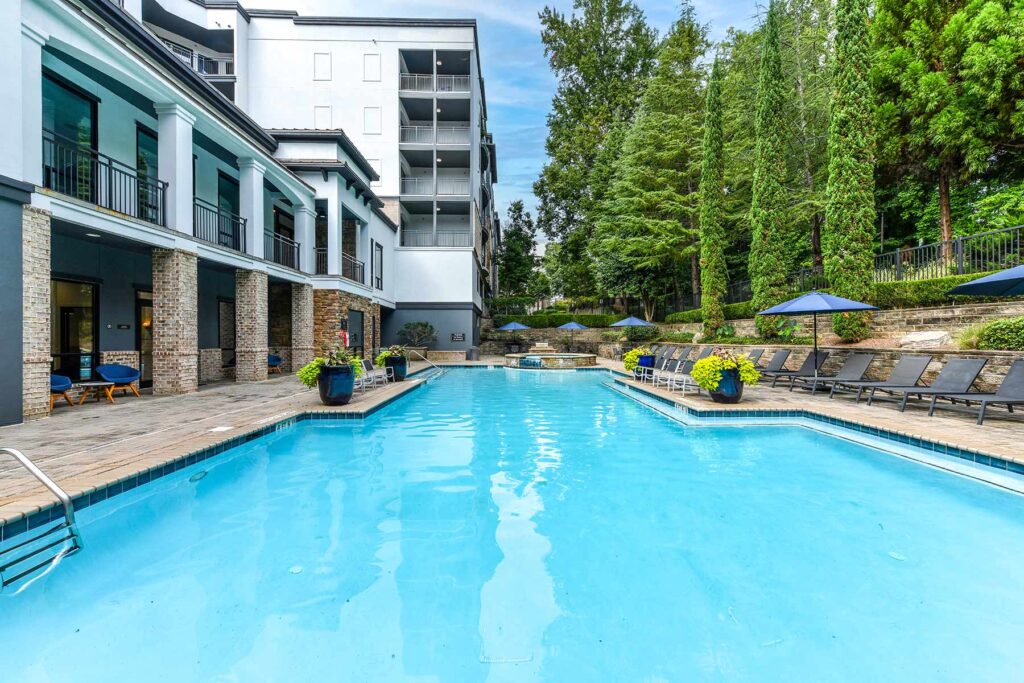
[[87, 448]]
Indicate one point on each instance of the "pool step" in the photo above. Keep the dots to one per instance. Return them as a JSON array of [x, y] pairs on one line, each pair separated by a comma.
[[22, 558]]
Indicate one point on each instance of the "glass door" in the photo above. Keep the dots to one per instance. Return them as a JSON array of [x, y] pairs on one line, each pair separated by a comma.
[[144, 336], [74, 329]]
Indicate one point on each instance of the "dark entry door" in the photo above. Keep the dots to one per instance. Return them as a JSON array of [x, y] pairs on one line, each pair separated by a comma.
[[355, 331], [144, 335]]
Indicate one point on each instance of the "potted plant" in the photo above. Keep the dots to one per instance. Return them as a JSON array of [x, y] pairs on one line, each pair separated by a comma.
[[723, 374], [393, 357], [334, 375], [417, 337], [640, 357]]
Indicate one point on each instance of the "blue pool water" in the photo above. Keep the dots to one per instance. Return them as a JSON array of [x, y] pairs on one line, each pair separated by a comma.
[[503, 525]]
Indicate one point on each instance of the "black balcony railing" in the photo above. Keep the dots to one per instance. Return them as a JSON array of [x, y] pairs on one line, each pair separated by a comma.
[[218, 226], [353, 269], [280, 249], [78, 171], [320, 253]]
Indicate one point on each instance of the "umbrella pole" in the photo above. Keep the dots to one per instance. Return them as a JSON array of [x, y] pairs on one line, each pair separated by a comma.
[[815, 345]]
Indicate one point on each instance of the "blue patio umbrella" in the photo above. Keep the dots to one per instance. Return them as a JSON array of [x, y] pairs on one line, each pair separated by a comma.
[[632, 321], [1008, 282], [513, 327], [572, 326], [814, 303]]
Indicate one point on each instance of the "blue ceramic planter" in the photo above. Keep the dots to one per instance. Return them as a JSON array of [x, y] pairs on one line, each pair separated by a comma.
[[399, 365], [336, 383], [730, 388]]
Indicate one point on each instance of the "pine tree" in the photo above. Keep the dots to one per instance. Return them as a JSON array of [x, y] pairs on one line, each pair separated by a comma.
[[850, 205], [515, 259], [712, 210], [767, 206], [648, 228]]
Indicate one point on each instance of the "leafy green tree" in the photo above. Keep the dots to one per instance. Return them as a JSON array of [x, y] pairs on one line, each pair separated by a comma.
[[768, 201], [516, 261], [850, 209], [648, 227], [949, 84], [601, 55], [712, 209]]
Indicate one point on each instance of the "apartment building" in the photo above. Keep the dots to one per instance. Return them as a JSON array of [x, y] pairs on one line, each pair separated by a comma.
[[187, 186]]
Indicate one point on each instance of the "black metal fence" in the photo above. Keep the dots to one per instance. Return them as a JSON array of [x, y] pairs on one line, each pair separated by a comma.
[[281, 249], [212, 224], [78, 171], [353, 269]]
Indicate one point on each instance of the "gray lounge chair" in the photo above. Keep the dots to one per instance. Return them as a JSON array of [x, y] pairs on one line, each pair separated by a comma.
[[687, 365], [811, 365], [906, 373], [956, 377], [1009, 393], [778, 361], [853, 369], [754, 355]]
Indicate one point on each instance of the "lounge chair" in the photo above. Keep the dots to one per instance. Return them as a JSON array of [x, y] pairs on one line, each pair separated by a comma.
[[59, 388], [754, 355], [665, 375], [122, 377], [778, 361], [906, 372], [956, 377], [811, 365], [1009, 393], [853, 369], [377, 375], [687, 365], [274, 363]]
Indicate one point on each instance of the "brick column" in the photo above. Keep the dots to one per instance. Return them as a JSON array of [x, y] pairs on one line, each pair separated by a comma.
[[175, 322], [302, 325], [250, 326], [35, 263]]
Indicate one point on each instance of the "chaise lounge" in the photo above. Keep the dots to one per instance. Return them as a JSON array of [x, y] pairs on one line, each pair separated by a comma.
[[956, 377], [853, 369], [906, 373], [1009, 393], [811, 365]]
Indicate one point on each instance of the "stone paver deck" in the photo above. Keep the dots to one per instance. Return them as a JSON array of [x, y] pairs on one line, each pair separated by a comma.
[[85, 448]]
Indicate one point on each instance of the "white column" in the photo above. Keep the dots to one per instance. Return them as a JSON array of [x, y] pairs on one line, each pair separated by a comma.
[[305, 235], [174, 140], [250, 199], [334, 227], [23, 155]]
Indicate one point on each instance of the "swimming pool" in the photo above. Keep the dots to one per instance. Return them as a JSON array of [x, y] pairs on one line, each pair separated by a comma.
[[507, 525]]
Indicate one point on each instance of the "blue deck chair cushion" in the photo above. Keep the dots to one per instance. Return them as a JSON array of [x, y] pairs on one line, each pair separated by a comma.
[[59, 383], [119, 374]]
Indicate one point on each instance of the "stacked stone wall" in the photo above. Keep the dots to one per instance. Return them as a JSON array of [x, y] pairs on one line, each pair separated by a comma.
[[36, 313], [175, 322]]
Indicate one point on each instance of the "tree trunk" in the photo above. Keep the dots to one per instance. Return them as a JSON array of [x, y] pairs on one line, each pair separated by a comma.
[[648, 303], [816, 241], [695, 277], [945, 213]]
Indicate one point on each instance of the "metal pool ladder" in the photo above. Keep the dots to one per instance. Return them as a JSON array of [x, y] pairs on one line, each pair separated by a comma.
[[439, 370], [45, 548]]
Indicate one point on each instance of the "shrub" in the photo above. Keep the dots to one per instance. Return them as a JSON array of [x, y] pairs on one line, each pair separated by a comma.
[[612, 336], [309, 374], [737, 311], [417, 334], [511, 304], [632, 358], [707, 372], [398, 351], [1006, 335], [676, 337], [542, 320], [918, 293], [640, 334]]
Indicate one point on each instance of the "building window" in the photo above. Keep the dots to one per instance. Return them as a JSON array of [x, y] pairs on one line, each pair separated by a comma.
[[371, 67], [146, 168], [69, 113], [322, 117], [371, 120], [74, 328], [377, 265], [322, 66]]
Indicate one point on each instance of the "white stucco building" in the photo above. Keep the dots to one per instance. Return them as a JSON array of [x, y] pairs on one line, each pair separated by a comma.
[[187, 185]]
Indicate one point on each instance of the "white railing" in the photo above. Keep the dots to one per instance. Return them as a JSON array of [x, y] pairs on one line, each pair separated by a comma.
[[452, 83], [453, 186], [417, 82], [418, 186], [419, 135], [452, 135], [444, 238], [208, 66]]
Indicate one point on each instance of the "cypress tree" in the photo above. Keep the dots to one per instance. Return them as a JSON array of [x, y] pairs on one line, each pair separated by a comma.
[[767, 205], [712, 210], [850, 202]]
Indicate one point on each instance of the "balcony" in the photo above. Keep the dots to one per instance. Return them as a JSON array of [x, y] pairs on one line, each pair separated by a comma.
[[443, 238], [427, 135], [281, 250], [83, 173], [417, 135], [453, 187], [351, 268], [200, 63], [214, 225], [448, 135], [418, 186], [428, 83]]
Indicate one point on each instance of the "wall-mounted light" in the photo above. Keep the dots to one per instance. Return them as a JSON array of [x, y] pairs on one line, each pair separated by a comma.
[[92, 234], [439, 110], [439, 62], [439, 160]]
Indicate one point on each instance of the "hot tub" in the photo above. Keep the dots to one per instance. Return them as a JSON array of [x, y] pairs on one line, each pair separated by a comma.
[[550, 361]]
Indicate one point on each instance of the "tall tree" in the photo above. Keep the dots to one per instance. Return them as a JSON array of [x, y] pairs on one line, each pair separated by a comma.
[[767, 206], [850, 208], [601, 55], [712, 209], [516, 261], [648, 228], [949, 81]]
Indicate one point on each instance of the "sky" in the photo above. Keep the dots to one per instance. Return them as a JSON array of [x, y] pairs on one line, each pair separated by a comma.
[[517, 79]]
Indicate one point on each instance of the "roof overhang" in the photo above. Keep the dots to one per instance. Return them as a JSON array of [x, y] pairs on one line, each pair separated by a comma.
[[337, 135]]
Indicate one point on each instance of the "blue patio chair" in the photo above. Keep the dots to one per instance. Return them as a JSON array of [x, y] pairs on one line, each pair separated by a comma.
[[274, 363], [122, 377], [59, 387]]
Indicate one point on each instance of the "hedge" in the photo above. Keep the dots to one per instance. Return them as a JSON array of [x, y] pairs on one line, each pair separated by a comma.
[[541, 320], [1006, 335], [737, 311]]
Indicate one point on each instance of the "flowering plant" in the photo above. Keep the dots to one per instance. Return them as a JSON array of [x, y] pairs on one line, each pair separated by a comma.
[[707, 372], [394, 351], [632, 358], [310, 373]]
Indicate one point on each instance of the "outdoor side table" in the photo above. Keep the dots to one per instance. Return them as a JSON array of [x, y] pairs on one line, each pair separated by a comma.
[[98, 389]]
